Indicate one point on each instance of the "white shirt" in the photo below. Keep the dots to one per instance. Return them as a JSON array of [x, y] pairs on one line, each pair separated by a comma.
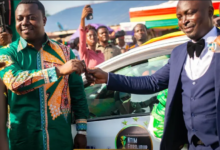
[[197, 67]]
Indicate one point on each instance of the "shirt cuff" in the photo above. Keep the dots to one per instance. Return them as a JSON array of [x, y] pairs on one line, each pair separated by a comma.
[[81, 124], [82, 132], [108, 79], [50, 75]]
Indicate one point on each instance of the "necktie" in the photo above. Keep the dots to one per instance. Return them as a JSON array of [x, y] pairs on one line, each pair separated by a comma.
[[195, 47]]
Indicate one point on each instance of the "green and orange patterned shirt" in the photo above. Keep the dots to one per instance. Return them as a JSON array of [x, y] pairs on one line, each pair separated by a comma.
[[40, 101]]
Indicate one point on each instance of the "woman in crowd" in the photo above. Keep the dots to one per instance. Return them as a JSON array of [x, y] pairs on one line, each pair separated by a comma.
[[88, 35], [74, 45]]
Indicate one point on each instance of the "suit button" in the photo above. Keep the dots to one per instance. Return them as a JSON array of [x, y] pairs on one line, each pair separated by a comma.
[[193, 115], [192, 99], [193, 130]]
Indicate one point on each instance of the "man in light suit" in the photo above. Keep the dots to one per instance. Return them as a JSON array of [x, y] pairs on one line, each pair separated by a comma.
[[192, 77]]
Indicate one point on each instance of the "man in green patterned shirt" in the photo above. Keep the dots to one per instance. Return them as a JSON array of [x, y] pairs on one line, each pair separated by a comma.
[[44, 85]]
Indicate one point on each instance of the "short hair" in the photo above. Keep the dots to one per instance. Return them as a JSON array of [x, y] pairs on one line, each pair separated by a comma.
[[76, 41], [37, 2], [91, 28], [139, 24], [101, 27], [9, 29]]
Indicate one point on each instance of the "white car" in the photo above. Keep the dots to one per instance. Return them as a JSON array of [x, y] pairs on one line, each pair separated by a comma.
[[119, 120]]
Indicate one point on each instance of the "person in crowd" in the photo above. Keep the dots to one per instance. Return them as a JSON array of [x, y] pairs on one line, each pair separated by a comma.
[[5, 37], [192, 78], [74, 45], [140, 35], [44, 85], [90, 54], [216, 21], [122, 44], [3, 114], [134, 42], [109, 50]]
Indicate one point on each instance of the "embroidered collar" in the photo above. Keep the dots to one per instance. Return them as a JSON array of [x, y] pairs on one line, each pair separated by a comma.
[[22, 44]]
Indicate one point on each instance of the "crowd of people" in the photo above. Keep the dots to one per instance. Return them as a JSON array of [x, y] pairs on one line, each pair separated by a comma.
[[94, 46], [93, 43], [42, 83], [97, 42]]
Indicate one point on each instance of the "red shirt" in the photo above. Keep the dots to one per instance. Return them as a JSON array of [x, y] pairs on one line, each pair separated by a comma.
[[92, 58]]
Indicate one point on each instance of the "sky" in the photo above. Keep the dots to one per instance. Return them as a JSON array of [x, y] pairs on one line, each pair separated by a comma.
[[53, 7]]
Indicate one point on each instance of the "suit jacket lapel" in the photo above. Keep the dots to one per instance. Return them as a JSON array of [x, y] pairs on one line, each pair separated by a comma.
[[217, 76], [177, 67], [175, 72], [217, 73]]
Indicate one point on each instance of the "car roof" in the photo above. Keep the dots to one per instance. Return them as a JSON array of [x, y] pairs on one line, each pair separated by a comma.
[[149, 50]]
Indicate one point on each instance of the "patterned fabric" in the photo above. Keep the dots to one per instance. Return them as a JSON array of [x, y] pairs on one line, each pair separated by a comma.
[[7, 59], [81, 127], [52, 74], [159, 113], [40, 101]]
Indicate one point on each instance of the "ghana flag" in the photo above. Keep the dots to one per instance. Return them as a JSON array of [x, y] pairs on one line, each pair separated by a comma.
[[160, 16]]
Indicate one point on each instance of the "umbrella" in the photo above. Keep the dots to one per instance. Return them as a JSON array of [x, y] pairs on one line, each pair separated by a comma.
[[75, 35], [96, 25]]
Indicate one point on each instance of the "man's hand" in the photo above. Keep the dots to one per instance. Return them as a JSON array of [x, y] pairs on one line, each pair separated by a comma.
[[69, 67], [96, 76], [80, 141], [5, 39], [86, 10]]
